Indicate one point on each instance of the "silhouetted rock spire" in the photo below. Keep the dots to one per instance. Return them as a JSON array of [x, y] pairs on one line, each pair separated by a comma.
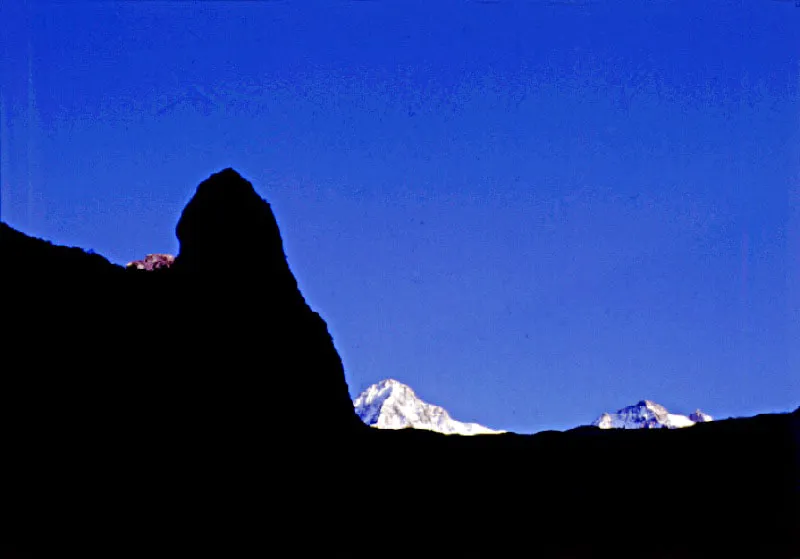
[[237, 354], [248, 321], [227, 229]]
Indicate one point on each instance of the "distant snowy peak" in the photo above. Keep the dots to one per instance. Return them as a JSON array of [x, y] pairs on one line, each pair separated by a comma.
[[648, 415], [700, 417], [390, 404]]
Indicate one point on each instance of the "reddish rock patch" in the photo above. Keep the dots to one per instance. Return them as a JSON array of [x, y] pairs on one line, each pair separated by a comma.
[[152, 262]]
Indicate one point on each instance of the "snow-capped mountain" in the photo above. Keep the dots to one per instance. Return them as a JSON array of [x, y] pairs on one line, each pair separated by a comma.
[[648, 415], [390, 404]]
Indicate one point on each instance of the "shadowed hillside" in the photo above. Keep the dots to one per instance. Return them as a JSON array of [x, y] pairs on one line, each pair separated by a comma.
[[202, 410]]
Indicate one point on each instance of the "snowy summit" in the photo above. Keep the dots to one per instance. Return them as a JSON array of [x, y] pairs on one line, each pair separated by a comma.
[[390, 404], [648, 415]]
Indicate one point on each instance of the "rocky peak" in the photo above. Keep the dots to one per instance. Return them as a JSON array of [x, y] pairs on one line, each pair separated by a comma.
[[152, 262], [648, 408], [647, 414], [241, 306], [700, 417], [390, 404], [227, 221]]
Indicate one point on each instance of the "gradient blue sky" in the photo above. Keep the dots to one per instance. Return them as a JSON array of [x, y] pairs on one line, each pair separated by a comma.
[[531, 212]]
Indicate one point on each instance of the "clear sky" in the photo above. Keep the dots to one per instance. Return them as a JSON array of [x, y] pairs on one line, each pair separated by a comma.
[[531, 212]]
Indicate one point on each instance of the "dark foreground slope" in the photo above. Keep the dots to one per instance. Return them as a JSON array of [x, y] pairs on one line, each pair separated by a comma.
[[156, 414]]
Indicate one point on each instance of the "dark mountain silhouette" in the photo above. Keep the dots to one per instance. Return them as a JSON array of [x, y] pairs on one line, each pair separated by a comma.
[[201, 410], [247, 316]]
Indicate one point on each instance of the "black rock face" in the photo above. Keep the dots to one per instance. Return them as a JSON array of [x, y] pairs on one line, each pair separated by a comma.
[[235, 344], [28, 259], [261, 353], [227, 229], [132, 401], [59, 308]]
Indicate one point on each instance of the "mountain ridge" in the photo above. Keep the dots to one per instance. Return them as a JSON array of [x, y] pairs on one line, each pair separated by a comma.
[[646, 414], [190, 451], [390, 404]]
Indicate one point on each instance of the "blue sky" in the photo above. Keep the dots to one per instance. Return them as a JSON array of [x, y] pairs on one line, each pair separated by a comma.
[[530, 212]]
